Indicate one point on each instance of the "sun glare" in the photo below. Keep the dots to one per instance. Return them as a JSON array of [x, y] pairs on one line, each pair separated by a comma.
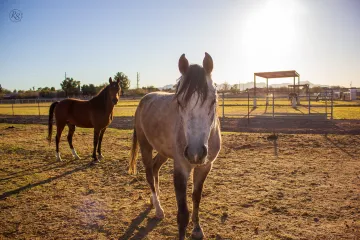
[[269, 35]]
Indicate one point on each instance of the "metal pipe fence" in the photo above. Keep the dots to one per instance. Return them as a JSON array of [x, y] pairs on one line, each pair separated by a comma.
[[241, 105]]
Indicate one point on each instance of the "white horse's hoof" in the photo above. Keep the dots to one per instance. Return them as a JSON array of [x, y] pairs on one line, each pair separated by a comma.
[[77, 157], [160, 214], [100, 157], [197, 233]]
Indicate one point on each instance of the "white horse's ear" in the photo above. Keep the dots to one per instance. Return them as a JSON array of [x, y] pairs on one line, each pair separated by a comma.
[[183, 64], [208, 63], [110, 80]]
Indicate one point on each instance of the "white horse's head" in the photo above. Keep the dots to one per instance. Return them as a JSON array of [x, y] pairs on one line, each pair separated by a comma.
[[196, 97]]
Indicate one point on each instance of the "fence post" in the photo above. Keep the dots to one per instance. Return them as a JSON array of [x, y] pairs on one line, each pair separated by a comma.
[[223, 110], [273, 103], [326, 110], [332, 104], [248, 116], [39, 108], [12, 106], [309, 102]]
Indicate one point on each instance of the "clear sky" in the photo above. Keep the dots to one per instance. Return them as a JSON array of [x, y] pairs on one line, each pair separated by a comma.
[[92, 40]]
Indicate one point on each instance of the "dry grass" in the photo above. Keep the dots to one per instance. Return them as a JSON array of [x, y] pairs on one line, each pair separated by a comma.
[[299, 187], [234, 107]]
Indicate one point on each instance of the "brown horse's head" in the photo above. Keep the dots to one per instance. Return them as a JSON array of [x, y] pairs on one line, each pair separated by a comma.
[[196, 97], [114, 90]]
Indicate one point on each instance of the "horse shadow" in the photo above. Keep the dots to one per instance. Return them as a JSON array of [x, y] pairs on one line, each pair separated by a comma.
[[32, 185], [143, 231], [37, 169], [297, 109]]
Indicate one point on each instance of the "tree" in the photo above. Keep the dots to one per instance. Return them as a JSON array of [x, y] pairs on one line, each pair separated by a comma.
[[70, 86], [52, 89], [89, 90], [124, 81], [99, 87], [234, 88], [225, 86]]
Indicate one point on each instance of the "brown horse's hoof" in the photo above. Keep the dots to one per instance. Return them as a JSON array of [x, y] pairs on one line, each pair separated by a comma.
[[197, 233], [95, 161]]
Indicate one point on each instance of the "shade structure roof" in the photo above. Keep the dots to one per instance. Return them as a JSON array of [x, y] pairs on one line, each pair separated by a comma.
[[278, 74]]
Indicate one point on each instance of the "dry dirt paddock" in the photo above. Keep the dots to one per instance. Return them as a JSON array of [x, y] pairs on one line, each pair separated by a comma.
[[302, 186]]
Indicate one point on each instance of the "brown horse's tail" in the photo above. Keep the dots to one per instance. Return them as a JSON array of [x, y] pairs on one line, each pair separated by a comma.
[[50, 123], [133, 154]]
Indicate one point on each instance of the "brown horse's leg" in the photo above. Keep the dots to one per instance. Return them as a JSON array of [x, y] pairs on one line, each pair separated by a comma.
[[159, 160], [59, 128], [181, 175], [199, 176], [100, 156], [96, 139], [69, 138], [146, 153]]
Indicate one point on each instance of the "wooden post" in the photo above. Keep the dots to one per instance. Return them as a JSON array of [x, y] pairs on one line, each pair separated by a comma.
[[298, 84], [332, 104], [326, 110], [294, 85], [248, 106], [273, 104], [12, 105], [254, 105], [267, 86], [223, 108], [39, 107], [309, 101]]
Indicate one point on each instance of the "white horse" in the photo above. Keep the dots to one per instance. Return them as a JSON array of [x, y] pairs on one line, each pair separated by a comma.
[[185, 127]]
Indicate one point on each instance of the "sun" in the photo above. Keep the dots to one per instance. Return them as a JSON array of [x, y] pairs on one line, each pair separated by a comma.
[[269, 34]]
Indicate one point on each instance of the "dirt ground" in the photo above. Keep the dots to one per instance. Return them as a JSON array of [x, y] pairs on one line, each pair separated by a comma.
[[300, 186]]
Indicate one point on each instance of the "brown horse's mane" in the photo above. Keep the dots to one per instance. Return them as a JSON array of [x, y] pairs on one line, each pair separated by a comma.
[[100, 98], [193, 81]]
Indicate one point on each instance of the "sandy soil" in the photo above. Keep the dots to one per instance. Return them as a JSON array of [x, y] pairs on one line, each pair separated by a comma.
[[301, 186]]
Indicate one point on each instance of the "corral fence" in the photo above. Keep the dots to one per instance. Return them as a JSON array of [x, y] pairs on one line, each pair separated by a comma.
[[276, 104], [244, 104]]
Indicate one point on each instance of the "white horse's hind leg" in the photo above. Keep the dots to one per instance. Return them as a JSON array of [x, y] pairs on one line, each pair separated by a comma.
[[159, 160], [58, 158], [76, 156], [146, 153], [156, 203]]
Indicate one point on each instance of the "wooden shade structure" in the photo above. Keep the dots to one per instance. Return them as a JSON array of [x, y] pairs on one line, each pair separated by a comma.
[[278, 74]]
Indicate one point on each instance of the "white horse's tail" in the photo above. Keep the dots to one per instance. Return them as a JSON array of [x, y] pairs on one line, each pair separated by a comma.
[[133, 154]]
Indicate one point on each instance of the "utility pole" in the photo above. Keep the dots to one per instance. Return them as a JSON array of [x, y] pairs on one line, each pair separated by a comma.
[[65, 75], [137, 80]]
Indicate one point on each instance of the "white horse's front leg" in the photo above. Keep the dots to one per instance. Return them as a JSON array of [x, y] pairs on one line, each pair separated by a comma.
[[199, 176]]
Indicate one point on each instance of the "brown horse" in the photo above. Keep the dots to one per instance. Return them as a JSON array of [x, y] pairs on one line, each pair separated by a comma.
[[185, 127], [96, 113]]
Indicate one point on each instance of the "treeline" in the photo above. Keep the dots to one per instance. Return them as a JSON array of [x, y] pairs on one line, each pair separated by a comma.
[[72, 88]]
